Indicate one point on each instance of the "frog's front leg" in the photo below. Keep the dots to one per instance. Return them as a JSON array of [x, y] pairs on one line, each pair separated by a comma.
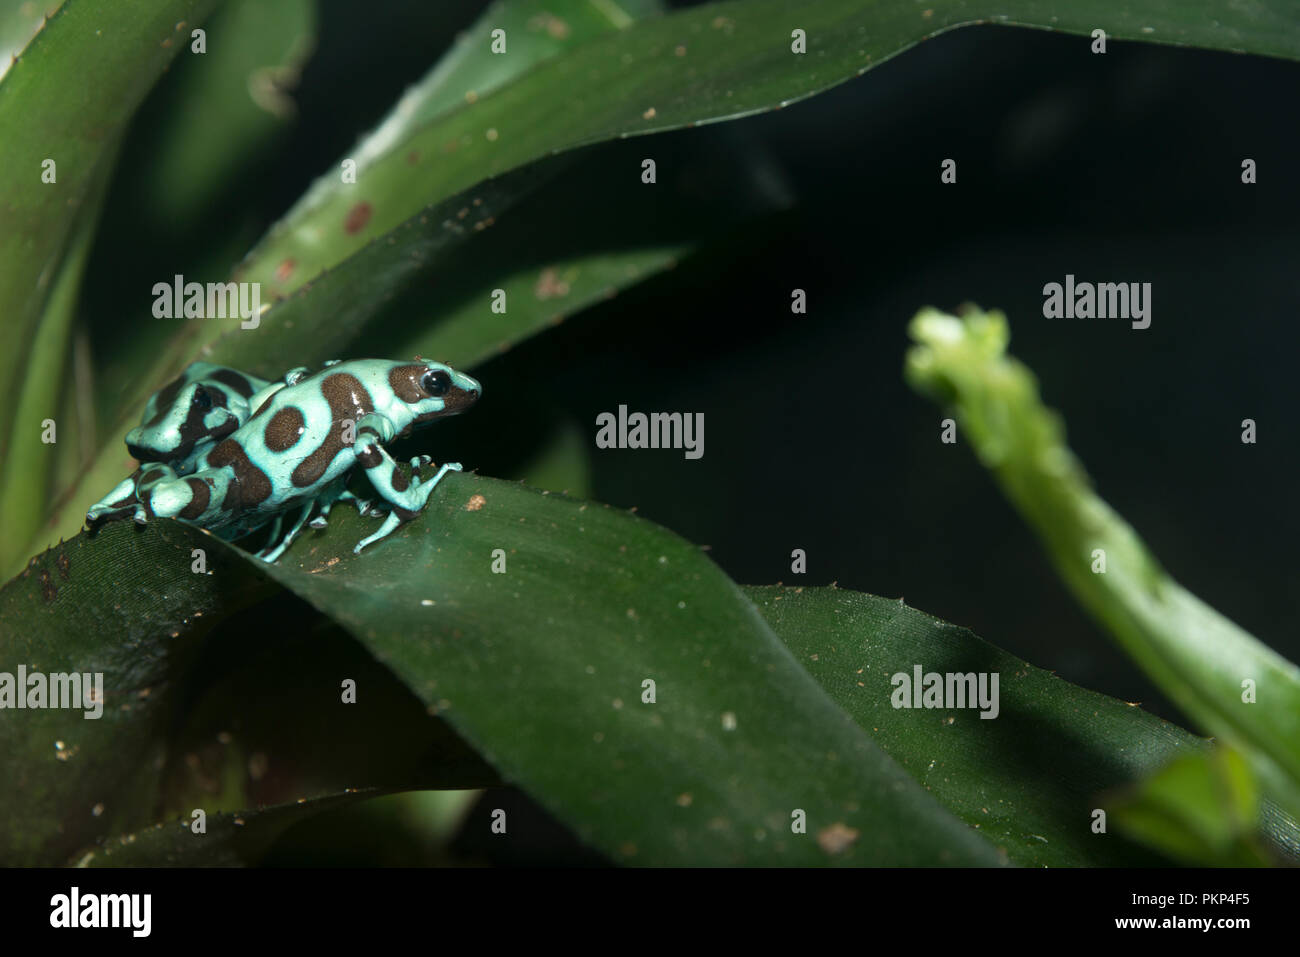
[[327, 502], [270, 554], [406, 496]]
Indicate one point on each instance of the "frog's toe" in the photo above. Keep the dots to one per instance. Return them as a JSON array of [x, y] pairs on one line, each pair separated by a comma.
[[318, 522]]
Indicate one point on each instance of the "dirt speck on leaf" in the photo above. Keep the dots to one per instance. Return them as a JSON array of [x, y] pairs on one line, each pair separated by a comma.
[[837, 838]]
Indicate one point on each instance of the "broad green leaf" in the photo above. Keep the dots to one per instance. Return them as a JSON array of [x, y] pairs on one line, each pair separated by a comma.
[[1224, 679], [543, 668], [704, 64], [197, 708], [1027, 780], [67, 99], [125, 604], [1032, 778], [1200, 808]]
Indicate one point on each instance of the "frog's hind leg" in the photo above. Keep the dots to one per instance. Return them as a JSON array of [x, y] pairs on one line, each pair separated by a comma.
[[272, 553], [116, 504], [197, 499]]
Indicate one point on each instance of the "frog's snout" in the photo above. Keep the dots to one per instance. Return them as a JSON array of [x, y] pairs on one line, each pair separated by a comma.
[[468, 384], [465, 391]]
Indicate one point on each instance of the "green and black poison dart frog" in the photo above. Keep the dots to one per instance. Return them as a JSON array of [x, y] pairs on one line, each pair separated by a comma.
[[295, 452], [182, 421]]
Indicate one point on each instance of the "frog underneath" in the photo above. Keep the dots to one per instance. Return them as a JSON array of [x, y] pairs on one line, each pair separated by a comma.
[[182, 421]]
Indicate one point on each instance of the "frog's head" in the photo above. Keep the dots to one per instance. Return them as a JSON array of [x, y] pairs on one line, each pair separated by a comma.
[[200, 408], [430, 390]]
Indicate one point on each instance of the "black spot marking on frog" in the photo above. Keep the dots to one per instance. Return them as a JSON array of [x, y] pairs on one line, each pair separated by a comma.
[[200, 495], [405, 514], [253, 485], [405, 382], [193, 428], [348, 399], [230, 500], [400, 482], [285, 429], [164, 399], [235, 380]]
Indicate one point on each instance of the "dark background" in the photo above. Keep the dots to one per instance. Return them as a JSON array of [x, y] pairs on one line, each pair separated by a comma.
[[1122, 167]]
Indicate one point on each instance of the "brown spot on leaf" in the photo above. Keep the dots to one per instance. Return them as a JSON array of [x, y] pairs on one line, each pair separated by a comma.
[[358, 216], [285, 270], [475, 503]]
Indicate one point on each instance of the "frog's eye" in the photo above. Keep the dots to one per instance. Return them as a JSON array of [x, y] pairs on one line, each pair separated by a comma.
[[202, 399], [435, 382]]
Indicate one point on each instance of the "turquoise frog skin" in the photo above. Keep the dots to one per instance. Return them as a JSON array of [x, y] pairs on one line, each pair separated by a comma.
[[294, 453], [182, 421]]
